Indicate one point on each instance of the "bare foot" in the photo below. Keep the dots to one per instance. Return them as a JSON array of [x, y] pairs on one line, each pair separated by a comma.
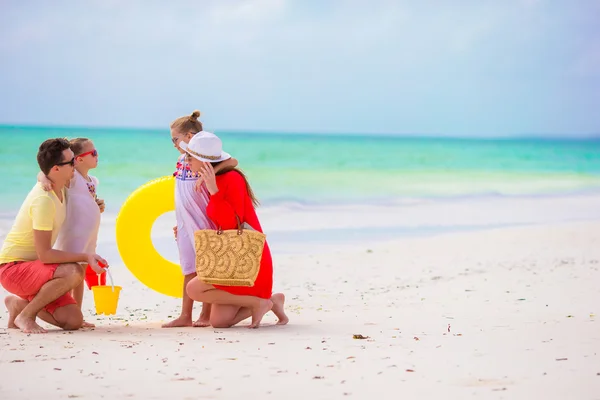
[[87, 325], [14, 305], [180, 322], [28, 325], [278, 300], [203, 321], [260, 311]]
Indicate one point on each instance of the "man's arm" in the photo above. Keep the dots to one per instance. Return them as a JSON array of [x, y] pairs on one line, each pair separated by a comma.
[[42, 213], [48, 255]]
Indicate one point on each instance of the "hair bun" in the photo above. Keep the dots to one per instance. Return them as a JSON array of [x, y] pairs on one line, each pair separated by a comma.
[[195, 115]]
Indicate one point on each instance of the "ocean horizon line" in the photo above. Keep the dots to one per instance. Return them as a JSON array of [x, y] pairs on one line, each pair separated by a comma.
[[291, 133]]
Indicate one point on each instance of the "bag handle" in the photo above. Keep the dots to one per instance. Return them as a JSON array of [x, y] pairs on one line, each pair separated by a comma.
[[240, 229]]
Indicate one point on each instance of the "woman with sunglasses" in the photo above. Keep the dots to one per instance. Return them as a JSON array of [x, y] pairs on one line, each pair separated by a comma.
[[79, 233]]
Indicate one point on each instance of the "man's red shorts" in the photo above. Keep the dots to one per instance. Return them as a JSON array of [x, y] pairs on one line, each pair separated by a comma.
[[26, 278]]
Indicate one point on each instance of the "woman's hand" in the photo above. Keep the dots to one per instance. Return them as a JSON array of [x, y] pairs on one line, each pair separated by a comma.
[[208, 175], [175, 232]]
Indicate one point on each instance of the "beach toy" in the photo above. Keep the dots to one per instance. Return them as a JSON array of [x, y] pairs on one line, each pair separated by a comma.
[[134, 241], [93, 279], [106, 298]]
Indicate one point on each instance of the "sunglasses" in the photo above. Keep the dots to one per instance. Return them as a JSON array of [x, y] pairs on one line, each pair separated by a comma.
[[71, 163], [94, 153]]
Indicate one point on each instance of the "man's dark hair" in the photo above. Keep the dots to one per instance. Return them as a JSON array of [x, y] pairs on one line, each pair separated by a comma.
[[50, 153]]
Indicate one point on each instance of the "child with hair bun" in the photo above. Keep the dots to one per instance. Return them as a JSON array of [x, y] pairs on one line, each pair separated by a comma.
[[191, 199]]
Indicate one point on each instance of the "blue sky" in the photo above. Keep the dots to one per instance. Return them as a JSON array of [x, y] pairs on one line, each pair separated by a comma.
[[476, 68]]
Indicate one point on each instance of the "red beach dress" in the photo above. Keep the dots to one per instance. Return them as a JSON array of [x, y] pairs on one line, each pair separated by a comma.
[[231, 199]]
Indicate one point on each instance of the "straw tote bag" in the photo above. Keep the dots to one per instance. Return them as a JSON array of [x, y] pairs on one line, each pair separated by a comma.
[[229, 257]]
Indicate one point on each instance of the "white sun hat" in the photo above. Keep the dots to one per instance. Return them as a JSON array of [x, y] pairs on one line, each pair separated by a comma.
[[205, 146]]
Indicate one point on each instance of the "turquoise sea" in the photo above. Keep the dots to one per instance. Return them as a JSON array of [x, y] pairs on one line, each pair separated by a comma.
[[311, 168]]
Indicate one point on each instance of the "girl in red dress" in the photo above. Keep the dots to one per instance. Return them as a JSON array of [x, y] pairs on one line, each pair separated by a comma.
[[231, 195]]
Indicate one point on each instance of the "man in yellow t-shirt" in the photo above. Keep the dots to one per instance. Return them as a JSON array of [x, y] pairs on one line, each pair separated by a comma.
[[39, 277]]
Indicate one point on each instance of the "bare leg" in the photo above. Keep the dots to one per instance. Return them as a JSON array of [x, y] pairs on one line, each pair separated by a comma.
[[77, 294], [201, 291], [66, 277], [226, 316], [187, 306], [14, 305], [68, 317], [278, 300], [204, 319], [65, 317]]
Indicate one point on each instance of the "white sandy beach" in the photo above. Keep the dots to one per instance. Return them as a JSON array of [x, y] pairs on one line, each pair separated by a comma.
[[427, 177], [505, 313]]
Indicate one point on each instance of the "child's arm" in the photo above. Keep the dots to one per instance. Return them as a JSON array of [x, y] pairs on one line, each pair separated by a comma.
[[101, 205], [45, 181], [231, 163]]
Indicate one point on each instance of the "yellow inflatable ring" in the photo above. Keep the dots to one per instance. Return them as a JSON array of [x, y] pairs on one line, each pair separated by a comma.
[[134, 241]]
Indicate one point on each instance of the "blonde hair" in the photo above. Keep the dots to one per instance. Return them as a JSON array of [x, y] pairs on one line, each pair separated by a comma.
[[77, 145], [188, 124]]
